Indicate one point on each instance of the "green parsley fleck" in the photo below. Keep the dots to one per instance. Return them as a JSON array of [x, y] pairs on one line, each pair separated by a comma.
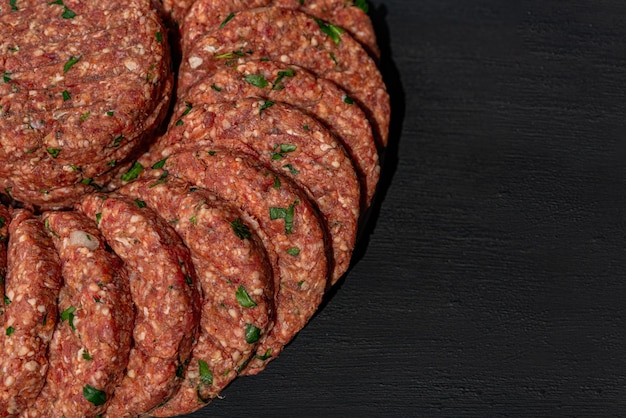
[[159, 37], [10, 331], [13, 4], [68, 14], [292, 170], [282, 150], [212, 153], [278, 84], [243, 297], [332, 57], [252, 334], [2, 221], [54, 152], [66, 95], [112, 163], [140, 203], [294, 251], [117, 140], [240, 229], [86, 355], [265, 356], [70, 63], [362, 4], [206, 377], [276, 182], [7, 301], [6, 76], [266, 105], [264, 59], [214, 87], [162, 179], [98, 218], [133, 172], [257, 80], [179, 122], [110, 113], [87, 181], [93, 395], [348, 100], [159, 164], [228, 18], [331, 30], [84, 116], [68, 315]]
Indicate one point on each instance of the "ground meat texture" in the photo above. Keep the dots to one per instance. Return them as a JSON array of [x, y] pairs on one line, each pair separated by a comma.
[[17, 178], [294, 236], [206, 13], [36, 22], [91, 344], [5, 220], [292, 37], [163, 287], [73, 104], [236, 280], [276, 136], [31, 288], [298, 87]]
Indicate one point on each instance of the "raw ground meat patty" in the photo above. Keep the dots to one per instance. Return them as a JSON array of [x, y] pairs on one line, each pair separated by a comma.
[[236, 280], [5, 220], [205, 14], [296, 86], [290, 229], [292, 37], [31, 290], [164, 290], [83, 88], [276, 136], [97, 321]]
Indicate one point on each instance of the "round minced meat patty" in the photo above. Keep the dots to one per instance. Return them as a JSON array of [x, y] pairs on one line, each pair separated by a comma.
[[73, 105], [292, 37]]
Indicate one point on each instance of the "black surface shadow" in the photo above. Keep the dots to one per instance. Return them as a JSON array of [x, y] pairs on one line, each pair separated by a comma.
[[389, 156]]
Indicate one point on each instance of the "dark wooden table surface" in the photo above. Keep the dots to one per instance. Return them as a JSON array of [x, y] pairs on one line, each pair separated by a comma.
[[492, 277]]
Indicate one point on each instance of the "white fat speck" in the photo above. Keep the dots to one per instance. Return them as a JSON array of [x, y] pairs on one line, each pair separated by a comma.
[[335, 164], [284, 58], [210, 48], [9, 380], [131, 65], [41, 308], [31, 366], [83, 239], [195, 62], [325, 147]]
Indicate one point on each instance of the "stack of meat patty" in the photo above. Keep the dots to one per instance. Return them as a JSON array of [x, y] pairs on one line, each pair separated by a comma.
[[144, 272]]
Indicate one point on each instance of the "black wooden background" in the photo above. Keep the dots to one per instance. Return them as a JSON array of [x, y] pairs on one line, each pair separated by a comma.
[[492, 278]]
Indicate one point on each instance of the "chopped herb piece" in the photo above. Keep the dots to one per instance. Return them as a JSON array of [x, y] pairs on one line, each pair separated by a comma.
[[264, 59], [193, 220], [68, 14], [193, 189], [45, 319], [84, 116], [228, 18], [54, 152], [277, 213], [306, 127], [266, 105], [140, 203], [301, 2], [287, 148], [282, 150], [294, 251], [206, 377], [98, 217], [86, 181], [276, 182], [110, 113], [240, 229], [244, 298], [227, 55], [68, 315], [10, 331], [93, 395], [159, 37], [179, 122], [133, 172], [7, 190], [212, 153], [300, 283], [362, 4], [292, 170], [214, 87], [57, 2], [180, 371], [70, 63], [2, 221], [86, 355], [265, 356], [117, 141], [159, 164], [331, 30], [6, 76], [257, 80], [13, 4], [7, 301], [112, 163], [188, 108], [252, 334], [161, 179], [97, 299], [332, 57], [348, 100], [75, 167], [66, 95], [278, 84], [188, 280], [239, 53]]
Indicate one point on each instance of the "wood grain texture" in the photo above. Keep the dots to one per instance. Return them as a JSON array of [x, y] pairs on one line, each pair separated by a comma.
[[491, 280]]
